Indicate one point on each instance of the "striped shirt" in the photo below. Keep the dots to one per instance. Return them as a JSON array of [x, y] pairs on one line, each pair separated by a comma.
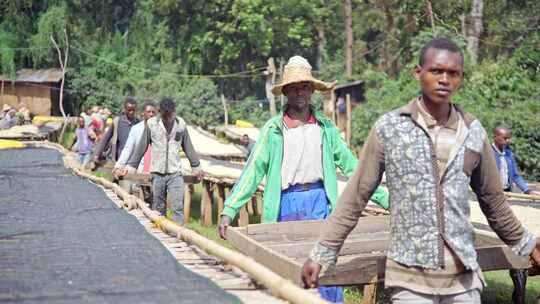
[[453, 278]]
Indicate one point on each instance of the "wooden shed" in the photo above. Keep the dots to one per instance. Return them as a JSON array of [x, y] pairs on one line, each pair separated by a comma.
[[38, 89], [341, 102]]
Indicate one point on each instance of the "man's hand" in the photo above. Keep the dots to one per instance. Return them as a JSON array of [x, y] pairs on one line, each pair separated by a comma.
[[534, 193], [310, 274], [119, 172], [199, 175], [224, 222]]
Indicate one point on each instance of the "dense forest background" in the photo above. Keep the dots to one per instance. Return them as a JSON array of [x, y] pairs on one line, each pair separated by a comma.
[[195, 51]]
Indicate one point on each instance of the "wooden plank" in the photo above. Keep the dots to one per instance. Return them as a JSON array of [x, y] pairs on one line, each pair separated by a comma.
[[188, 194], [354, 270], [206, 205], [370, 293], [500, 257], [368, 224], [350, 247], [275, 261], [285, 247]]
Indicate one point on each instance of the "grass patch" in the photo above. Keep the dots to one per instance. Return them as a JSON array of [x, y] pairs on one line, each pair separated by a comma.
[[194, 219], [499, 290], [68, 139]]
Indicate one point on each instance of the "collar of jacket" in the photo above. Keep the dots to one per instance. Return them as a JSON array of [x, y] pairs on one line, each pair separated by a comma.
[[277, 121], [411, 109]]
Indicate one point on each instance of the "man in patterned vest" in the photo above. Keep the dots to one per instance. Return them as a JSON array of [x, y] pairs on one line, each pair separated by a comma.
[[431, 152], [168, 135]]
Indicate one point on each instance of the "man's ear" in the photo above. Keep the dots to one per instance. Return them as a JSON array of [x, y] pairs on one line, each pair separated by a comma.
[[417, 71]]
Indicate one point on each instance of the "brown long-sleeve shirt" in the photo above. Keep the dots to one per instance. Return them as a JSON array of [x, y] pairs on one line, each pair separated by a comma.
[[480, 166]]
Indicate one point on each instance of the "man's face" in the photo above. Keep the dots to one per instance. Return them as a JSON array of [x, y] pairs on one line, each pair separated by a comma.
[[440, 76], [81, 122], [298, 94], [149, 112], [502, 138], [166, 115], [245, 140], [129, 110]]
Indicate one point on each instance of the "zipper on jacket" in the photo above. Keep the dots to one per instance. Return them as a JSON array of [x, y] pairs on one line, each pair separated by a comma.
[[438, 195], [167, 154]]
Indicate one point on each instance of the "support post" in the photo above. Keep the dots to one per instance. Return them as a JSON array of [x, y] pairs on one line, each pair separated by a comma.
[[348, 127], [370, 293], [206, 205], [270, 80], [188, 194], [243, 218], [221, 198], [225, 110]]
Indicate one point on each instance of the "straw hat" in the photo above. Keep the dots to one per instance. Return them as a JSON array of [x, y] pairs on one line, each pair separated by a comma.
[[297, 70], [6, 108]]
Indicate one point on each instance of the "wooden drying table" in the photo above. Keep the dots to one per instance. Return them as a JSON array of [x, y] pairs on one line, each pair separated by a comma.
[[283, 247]]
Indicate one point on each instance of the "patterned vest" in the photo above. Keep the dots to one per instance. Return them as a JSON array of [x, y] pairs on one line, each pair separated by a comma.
[[166, 148], [426, 210]]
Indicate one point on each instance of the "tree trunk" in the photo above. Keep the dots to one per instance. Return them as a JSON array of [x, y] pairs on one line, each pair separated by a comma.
[[350, 41], [387, 62], [429, 9], [321, 45], [270, 81], [475, 30]]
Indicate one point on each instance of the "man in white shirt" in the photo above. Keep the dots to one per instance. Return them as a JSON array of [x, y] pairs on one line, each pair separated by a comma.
[[135, 134]]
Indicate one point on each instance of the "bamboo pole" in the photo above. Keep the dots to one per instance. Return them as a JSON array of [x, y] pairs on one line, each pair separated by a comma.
[[531, 197], [279, 286]]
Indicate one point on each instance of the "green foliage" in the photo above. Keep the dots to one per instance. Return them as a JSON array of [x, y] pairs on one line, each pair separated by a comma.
[[254, 111], [7, 54], [199, 104], [51, 23]]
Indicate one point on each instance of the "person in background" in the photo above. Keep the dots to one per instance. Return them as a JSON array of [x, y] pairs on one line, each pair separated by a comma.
[[168, 135], [298, 151], [506, 162], [5, 109], [9, 120], [116, 136], [135, 134], [84, 141], [24, 114], [247, 144]]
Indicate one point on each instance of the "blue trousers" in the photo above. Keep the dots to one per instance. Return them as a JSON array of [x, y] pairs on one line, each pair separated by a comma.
[[297, 204]]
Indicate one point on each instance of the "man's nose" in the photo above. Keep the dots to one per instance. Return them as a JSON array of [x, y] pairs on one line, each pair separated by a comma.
[[444, 78]]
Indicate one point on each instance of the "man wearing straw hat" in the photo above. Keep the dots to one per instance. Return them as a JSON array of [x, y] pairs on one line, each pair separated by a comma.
[[298, 152]]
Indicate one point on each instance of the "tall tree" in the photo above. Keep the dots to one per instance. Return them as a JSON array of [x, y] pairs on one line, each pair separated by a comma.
[[350, 40], [475, 29]]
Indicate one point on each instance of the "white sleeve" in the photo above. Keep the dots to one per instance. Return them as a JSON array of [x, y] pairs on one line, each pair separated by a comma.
[[131, 142]]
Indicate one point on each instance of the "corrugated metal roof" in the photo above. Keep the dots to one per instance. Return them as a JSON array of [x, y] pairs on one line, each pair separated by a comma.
[[37, 76]]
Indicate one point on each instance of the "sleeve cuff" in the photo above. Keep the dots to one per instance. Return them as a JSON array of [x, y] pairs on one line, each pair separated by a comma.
[[323, 255], [230, 212], [525, 245]]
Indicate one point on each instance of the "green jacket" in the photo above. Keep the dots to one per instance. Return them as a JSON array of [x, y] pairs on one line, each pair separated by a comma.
[[266, 158]]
